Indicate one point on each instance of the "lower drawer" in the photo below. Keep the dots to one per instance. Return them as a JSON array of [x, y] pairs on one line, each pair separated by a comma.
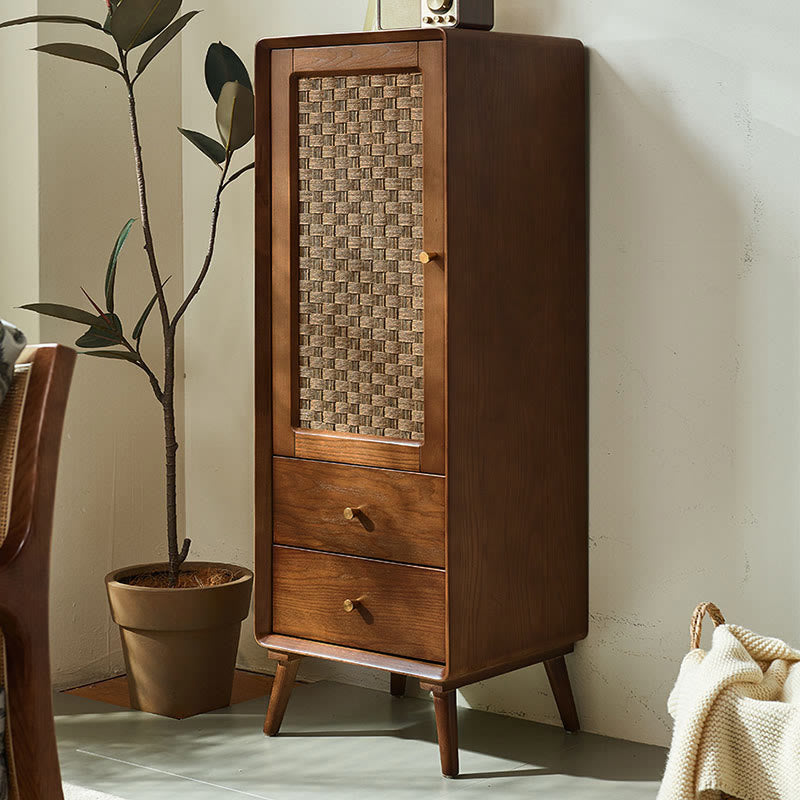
[[358, 602]]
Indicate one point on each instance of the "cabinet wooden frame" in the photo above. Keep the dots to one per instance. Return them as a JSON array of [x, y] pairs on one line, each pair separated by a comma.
[[512, 306], [286, 66]]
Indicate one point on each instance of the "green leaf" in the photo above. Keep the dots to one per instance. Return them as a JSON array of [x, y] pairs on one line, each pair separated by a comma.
[[63, 312], [61, 18], [121, 355], [236, 115], [223, 66], [163, 39], [100, 335], [81, 52], [206, 145], [139, 328], [135, 22], [111, 273], [112, 8]]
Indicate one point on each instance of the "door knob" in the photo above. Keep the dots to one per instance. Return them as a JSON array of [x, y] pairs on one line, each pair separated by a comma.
[[440, 6], [427, 256], [349, 605], [351, 513]]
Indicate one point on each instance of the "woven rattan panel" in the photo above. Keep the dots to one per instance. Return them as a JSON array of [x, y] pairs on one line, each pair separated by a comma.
[[10, 420], [360, 286]]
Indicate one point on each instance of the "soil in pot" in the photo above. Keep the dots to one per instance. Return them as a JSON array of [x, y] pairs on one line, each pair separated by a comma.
[[187, 578]]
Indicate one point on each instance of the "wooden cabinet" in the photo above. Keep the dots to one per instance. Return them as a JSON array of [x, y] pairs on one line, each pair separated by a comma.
[[421, 358]]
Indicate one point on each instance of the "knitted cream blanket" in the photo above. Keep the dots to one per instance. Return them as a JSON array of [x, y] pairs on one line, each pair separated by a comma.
[[737, 721]]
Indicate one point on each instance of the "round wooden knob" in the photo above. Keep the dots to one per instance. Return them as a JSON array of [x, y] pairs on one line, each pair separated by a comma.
[[351, 513], [426, 256], [349, 605]]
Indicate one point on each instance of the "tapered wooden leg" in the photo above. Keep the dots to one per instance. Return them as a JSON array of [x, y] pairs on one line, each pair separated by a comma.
[[444, 702], [281, 691], [562, 691], [398, 685]]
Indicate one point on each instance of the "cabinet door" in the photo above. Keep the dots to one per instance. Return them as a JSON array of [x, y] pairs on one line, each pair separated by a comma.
[[357, 194]]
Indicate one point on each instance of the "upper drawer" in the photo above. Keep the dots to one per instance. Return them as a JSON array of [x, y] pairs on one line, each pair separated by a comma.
[[397, 516]]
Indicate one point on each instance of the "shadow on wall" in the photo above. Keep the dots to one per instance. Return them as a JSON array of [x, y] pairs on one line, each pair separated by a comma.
[[666, 248]]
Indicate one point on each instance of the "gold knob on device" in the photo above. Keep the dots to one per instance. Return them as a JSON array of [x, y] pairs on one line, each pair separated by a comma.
[[349, 605], [351, 513], [426, 256]]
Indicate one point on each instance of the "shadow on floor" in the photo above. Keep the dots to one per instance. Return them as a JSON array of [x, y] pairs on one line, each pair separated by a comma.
[[340, 741]]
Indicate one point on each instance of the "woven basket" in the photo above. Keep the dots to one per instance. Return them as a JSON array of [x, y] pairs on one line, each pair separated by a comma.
[[695, 634]]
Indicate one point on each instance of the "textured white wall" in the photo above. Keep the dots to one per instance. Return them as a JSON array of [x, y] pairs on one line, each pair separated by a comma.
[[695, 167], [695, 249], [109, 509], [695, 443], [19, 159], [219, 327]]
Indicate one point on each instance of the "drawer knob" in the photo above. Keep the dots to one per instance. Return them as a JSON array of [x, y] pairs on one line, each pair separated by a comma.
[[351, 513], [349, 605], [426, 256]]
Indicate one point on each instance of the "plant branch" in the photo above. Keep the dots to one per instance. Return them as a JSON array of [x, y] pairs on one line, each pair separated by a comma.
[[142, 364], [238, 175], [187, 543], [144, 207], [212, 243], [176, 557]]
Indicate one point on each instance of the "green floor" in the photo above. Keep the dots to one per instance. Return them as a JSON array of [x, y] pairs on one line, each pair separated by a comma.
[[340, 742]]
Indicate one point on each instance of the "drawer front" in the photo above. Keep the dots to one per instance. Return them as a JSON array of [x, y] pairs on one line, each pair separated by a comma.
[[397, 609], [398, 516]]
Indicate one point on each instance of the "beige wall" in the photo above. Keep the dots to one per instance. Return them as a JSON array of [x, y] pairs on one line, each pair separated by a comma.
[[109, 507], [219, 326], [695, 456], [695, 463], [19, 159]]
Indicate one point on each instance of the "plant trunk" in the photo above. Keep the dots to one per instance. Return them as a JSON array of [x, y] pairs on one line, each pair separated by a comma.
[[176, 557]]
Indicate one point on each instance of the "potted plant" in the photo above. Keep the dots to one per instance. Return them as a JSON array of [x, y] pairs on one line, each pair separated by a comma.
[[179, 621]]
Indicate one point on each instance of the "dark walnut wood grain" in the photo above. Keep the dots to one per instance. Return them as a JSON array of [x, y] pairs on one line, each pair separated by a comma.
[[431, 63], [285, 675], [423, 670], [263, 336], [398, 609], [517, 347], [25, 576], [506, 391], [444, 701], [396, 516], [330, 446], [343, 60], [397, 685], [283, 250], [562, 691]]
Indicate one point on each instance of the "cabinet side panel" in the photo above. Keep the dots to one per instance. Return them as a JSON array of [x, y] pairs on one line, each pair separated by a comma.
[[517, 338], [266, 60]]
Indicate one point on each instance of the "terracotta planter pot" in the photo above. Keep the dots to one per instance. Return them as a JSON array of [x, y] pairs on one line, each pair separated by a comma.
[[179, 645]]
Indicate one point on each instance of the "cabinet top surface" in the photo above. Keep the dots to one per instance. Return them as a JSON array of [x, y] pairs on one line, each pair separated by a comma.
[[406, 35]]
